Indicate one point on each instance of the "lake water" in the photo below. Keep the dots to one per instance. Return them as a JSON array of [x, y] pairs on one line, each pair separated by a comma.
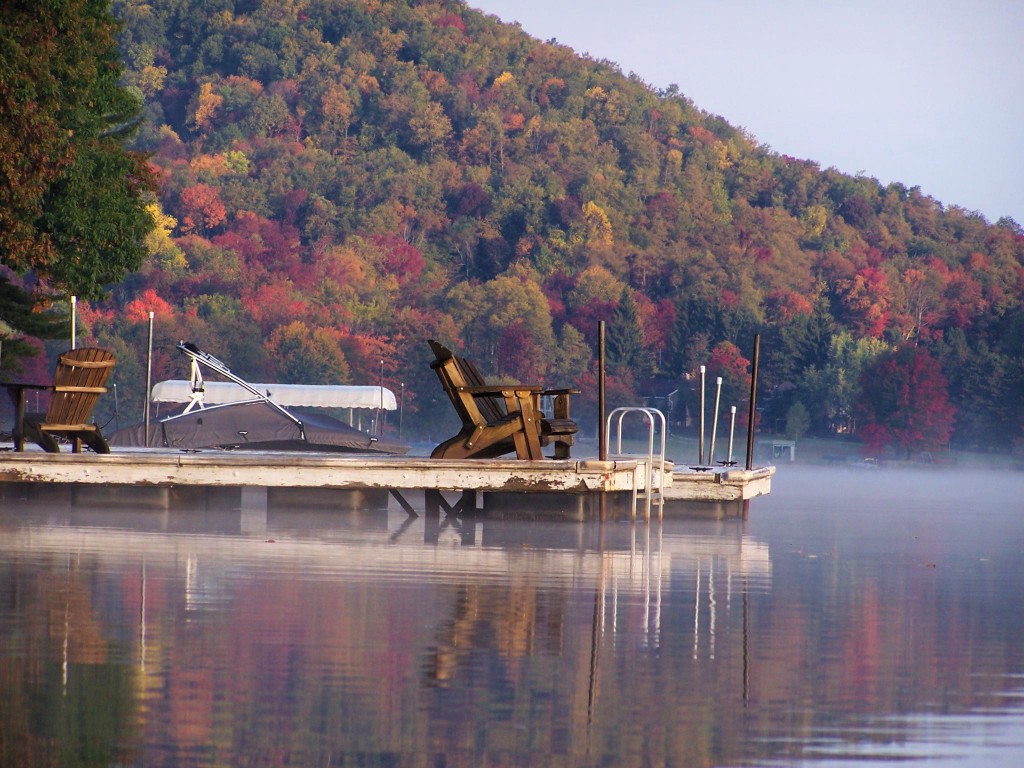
[[855, 618]]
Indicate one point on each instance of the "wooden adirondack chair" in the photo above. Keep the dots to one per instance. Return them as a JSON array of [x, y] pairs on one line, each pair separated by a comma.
[[499, 418], [78, 382]]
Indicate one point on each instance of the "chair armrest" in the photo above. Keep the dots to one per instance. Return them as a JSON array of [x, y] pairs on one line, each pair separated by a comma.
[[561, 401], [497, 389]]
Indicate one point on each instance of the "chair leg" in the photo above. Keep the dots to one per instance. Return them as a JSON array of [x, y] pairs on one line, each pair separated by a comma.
[[43, 439], [531, 428], [527, 439], [95, 441]]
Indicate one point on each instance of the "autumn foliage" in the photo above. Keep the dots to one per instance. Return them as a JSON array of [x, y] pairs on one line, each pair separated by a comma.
[[904, 403], [364, 178]]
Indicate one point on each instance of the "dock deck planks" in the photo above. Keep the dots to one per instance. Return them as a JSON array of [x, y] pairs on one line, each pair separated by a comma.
[[165, 468]]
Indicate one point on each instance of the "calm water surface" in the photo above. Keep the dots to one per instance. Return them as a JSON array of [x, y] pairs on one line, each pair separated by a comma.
[[855, 618]]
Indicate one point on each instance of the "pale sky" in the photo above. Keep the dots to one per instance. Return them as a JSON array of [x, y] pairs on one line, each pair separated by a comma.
[[928, 93]]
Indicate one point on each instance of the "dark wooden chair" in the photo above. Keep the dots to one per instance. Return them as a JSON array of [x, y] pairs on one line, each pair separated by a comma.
[[78, 382], [500, 418]]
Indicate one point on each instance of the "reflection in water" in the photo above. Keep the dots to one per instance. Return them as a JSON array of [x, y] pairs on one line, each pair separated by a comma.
[[869, 626]]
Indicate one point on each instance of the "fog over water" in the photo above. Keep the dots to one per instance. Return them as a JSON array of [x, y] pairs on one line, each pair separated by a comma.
[[856, 617]]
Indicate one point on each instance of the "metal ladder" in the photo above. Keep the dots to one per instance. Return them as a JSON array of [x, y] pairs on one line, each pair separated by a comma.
[[650, 492]]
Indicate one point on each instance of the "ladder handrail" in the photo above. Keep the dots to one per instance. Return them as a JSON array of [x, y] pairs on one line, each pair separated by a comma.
[[649, 490]]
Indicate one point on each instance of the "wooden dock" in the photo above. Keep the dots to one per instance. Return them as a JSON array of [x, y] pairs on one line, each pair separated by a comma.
[[567, 484]]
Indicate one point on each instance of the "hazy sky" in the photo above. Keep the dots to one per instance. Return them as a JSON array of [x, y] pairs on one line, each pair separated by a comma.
[[929, 93]]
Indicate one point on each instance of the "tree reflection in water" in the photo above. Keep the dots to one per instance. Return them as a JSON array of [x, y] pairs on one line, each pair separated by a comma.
[[289, 637]]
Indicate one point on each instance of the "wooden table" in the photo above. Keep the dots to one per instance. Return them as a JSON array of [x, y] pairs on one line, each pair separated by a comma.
[[17, 394]]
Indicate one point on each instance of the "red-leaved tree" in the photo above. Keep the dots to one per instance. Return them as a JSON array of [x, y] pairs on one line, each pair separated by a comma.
[[904, 403]]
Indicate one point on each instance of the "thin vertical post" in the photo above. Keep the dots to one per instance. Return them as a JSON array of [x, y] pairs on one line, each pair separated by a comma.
[[602, 438], [753, 400], [700, 436], [380, 413], [74, 322], [714, 422], [732, 430], [401, 411], [149, 378]]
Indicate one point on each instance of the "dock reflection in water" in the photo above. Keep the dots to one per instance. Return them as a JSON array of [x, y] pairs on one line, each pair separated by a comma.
[[817, 631]]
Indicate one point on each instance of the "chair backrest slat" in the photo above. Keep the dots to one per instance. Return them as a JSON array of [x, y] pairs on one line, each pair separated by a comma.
[[78, 382], [456, 373], [491, 407]]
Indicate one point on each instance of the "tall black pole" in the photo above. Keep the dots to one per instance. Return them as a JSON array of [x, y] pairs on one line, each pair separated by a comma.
[[700, 433], [753, 400], [602, 438]]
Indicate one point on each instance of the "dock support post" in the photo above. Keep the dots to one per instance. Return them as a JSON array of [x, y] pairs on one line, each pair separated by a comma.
[[432, 503], [467, 504], [432, 515], [752, 413], [405, 505]]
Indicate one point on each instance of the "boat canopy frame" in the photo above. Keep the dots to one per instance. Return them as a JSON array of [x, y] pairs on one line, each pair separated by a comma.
[[198, 393]]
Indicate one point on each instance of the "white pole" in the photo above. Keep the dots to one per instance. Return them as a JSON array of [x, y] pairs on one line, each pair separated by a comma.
[[401, 412], [149, 378], [732, 428], [74, 312], [714, 422], [380, 413]]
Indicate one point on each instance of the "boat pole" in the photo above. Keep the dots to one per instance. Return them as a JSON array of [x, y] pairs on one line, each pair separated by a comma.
[[752, 413], [602, 438], [149, 378]]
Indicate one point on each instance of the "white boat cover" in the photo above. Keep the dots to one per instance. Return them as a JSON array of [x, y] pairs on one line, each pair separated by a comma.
[[308, 395]]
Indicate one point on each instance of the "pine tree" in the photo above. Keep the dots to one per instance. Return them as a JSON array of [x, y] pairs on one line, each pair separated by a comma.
[[624, 343], [72, 198]]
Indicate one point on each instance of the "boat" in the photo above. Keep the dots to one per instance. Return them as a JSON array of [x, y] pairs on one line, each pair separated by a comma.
[[237, 415]]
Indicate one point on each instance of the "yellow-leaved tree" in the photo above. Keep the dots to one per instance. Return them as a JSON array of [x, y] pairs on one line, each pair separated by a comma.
[[598, 227]]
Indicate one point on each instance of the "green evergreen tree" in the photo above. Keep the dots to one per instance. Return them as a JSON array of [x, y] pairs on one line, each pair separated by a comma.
[[72, 198], [73, 202], [624, 341]]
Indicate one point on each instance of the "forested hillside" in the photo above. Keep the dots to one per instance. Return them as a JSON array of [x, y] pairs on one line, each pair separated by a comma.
[[342, 179]]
